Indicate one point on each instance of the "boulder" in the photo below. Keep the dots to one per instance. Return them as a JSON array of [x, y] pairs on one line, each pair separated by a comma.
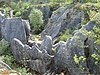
[[62, 19], [13, 28]]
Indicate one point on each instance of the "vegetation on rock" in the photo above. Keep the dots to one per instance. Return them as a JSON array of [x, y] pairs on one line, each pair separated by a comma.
[[36, 20], [30, 11]]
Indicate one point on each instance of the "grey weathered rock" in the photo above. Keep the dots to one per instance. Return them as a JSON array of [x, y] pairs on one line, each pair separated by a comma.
[[64, 58], [62, 19], [89, 26], [47, 44], [13, 28], [38, 66], [27, 28], [66, 52], [38, 58], [1, 21], [92, 49], [33, 57], [17, 48], [46, 13], [59, 66]]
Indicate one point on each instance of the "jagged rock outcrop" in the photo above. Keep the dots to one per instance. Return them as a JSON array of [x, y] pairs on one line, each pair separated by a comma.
[[13, 28], [27, 28], [89, 26], [1, 21], [38, 60], [47, 44], [92, 49], [74, 47], [46, 13], [70, 56], [62, 19]]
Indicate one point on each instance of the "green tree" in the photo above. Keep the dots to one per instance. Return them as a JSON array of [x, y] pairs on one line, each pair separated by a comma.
[[36, 20]]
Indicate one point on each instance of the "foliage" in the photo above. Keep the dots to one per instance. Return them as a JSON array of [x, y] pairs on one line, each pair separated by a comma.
[[4, 47], [23, 71], [97, 34], [65, 35], [8, 58], [78, 59], [36, 19], [18, 14]]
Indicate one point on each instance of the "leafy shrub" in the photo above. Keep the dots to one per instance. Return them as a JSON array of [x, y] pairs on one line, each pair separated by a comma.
[[36, 19], [65, 35], [9, 59], [4, 47], [18, 14], [23, 71]]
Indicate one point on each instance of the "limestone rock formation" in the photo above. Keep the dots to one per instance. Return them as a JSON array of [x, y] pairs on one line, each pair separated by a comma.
[[62, 19], [27, 28], [69, 57], [1, 21], [13, 28], [46, 13], [47, 44], [38, 60], [71, 50]]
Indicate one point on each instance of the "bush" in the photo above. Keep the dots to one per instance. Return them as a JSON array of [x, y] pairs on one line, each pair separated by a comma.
[[23, 71], [36, 20], [18, 14], [4, 47], [65, 35], [10, 60]]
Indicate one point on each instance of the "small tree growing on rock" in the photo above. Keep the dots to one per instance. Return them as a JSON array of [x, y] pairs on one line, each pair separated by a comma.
[[36, 20]]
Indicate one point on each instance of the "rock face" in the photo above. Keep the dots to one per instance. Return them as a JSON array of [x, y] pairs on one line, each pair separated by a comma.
[[27, 28], [46, 13], [38, 60], [70, 56], [66, 53], [71, 50], [1, 21], [13, 28], [89, 26], [61, 19], [92, 49], [47, 44]]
